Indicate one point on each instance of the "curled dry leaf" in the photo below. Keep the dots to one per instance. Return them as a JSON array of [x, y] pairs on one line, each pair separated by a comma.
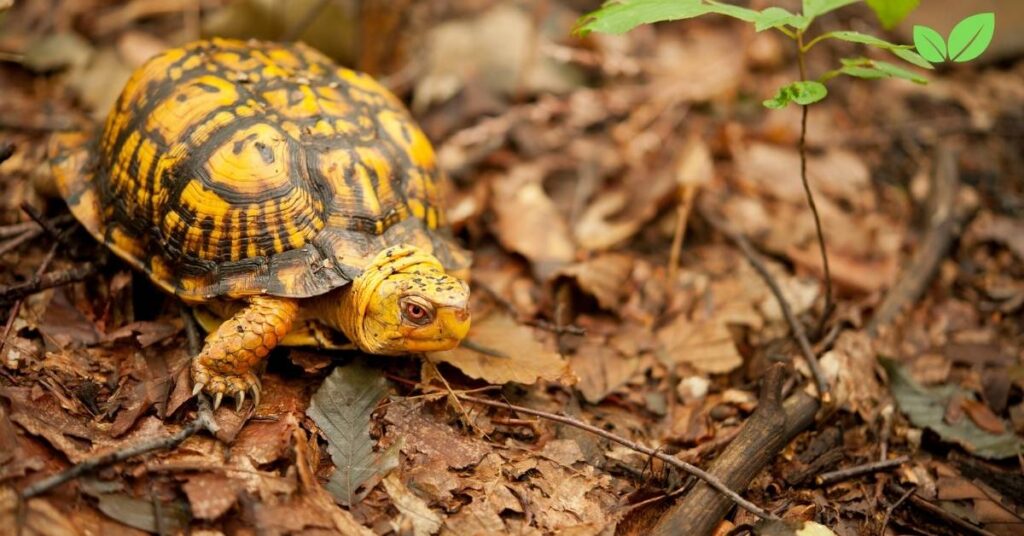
[[618, 214], [604, 276], [413, 510], [527, 220], [519, 356]]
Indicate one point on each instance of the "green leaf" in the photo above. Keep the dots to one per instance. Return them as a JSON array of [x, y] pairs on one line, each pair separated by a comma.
[[621, 16], [930, 44], [341, 408], [971, 36], [910, 56], [736, 12], [775, 17], [803, 93], [868, 68], [901, 51], [926, 408], [815, 8], [891, 12]]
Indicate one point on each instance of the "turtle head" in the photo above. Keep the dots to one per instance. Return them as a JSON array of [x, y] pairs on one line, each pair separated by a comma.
[[404, 302]]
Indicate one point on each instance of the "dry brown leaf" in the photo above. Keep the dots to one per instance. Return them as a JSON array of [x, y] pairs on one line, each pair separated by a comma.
[[40, 517], [848, 272], [707, 345], [523, 359], [413, 510], [618, 214], [564, 451], [210, 495], [850, 366], [1002, 229], [601, 369], [604, 276], [528, 222], [499, 49], [983, 416], [423, 433]]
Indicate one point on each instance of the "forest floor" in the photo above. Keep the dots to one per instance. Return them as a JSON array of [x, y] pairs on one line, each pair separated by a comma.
[[576, 164]]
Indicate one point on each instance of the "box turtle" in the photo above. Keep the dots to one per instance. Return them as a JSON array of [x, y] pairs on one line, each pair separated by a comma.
[[280, 190]]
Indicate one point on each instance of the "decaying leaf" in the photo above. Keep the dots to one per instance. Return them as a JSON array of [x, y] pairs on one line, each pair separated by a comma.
[[519, 358], [926, 407], [414, 511], [342, 408]]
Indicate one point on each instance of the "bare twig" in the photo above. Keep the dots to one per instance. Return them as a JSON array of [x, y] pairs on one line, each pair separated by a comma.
[[850, 472], [45, 281], [940, 513], [16, 308], [771, 427], [944, 221], [794, 323], [16, 229], [201, 422], [892, 508], [712, 481], [13, 243]]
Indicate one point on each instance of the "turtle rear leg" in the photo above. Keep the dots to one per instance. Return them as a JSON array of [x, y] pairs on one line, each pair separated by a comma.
[[232, 354]]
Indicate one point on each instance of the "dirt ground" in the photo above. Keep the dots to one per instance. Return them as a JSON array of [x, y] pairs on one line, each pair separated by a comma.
[[577, 164]]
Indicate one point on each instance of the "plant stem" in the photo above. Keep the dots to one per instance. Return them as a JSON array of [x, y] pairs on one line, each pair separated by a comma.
[[810, 196]]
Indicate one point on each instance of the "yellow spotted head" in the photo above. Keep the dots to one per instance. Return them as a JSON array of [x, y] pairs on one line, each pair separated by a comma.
[[404, 302]]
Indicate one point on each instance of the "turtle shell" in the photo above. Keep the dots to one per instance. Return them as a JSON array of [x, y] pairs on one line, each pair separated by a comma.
[[231, 168]]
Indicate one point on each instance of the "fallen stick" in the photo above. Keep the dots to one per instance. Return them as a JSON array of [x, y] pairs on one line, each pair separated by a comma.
[[712, 482], [944, 221], [771, 427], [839, 475]]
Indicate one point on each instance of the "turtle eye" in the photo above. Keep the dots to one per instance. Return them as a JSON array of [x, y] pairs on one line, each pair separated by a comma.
[[416, 313]]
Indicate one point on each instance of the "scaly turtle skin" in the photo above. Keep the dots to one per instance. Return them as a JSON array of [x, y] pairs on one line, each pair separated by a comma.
[[264, 174]]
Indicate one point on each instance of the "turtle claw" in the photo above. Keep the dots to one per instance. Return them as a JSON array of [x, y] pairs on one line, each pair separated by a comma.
[[256, 395], [239, 400], [198, 388], [217, 398]]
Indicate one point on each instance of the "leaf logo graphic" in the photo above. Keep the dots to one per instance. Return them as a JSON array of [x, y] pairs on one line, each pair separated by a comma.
[[968, 40]]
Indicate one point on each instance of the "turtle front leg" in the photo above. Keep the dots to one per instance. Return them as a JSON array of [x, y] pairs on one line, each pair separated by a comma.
[[232, 354]]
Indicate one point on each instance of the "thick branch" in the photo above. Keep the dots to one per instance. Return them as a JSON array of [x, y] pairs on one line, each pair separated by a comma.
[[945, 220], [765, 433]]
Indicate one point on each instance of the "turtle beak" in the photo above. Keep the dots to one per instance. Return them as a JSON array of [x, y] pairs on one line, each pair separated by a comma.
[[454, 322]]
